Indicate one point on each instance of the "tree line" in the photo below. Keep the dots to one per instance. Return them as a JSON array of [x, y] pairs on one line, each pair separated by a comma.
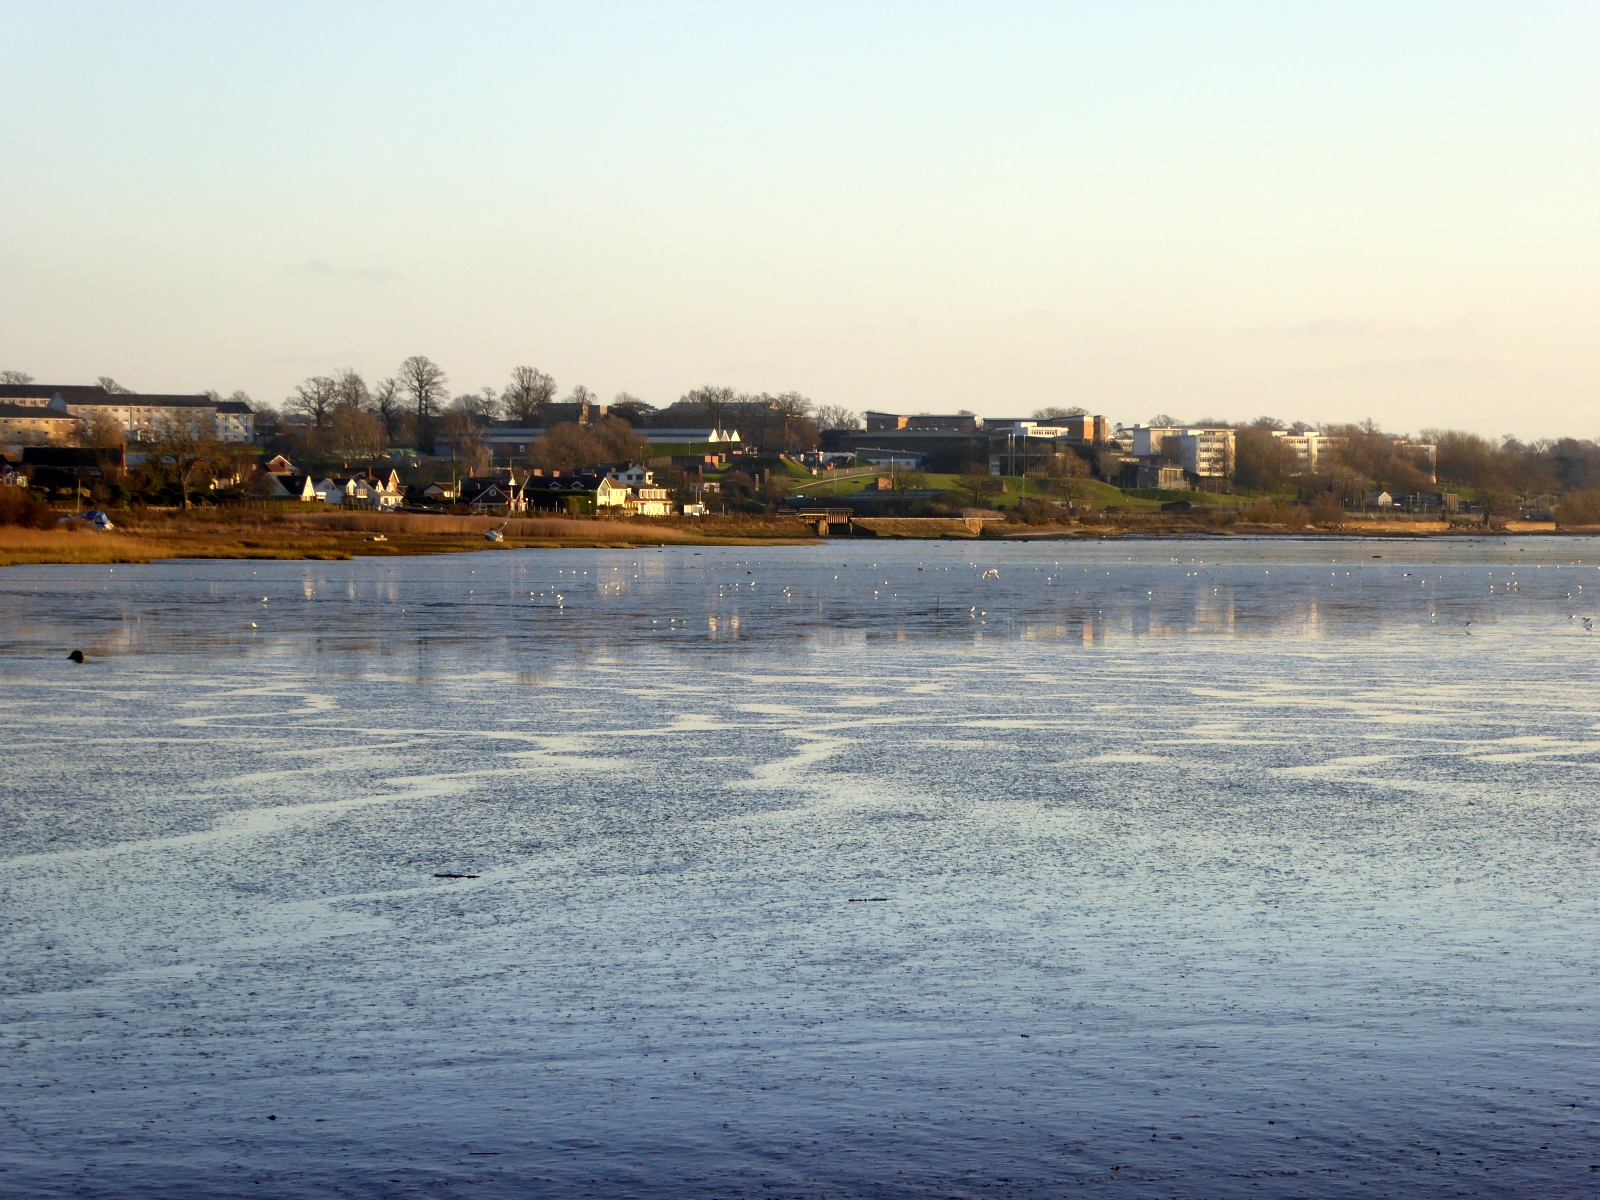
[[342, 414], [1367, 459]]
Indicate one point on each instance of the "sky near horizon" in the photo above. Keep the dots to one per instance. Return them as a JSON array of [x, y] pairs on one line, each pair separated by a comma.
[[1323, 213]]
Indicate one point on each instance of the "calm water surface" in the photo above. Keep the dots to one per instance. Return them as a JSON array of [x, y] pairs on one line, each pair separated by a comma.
[[1200, 868]]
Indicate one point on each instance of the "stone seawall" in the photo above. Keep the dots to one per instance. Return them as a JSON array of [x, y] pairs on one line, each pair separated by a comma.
[[926, 527]]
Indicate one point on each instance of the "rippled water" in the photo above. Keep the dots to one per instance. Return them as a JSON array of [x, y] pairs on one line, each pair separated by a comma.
[[1195, 868]]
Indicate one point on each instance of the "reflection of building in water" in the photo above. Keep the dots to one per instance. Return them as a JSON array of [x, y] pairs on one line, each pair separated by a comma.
[[1213, 610], [1086, 629]]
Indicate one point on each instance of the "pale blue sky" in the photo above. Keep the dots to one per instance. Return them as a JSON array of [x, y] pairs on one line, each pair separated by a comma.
[[1225, 210]]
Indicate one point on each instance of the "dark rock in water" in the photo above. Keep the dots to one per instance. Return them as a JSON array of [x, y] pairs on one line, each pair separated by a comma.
[[76, 656]]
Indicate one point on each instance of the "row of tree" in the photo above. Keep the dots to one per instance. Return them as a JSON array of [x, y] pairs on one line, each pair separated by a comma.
[[342, 414]]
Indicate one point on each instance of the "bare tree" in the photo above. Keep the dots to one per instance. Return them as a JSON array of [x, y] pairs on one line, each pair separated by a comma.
[[794, 412], [585, 400], [1262, 461], [112, 386], [631, 409], [754, 415], [350, 391], [15, 377], [386, 404], [483, 404], [1053, 412], [711, 402], [976, 484], [102, 429], [617, 441], [1067, 474], [186, 437], [566, 446], [268, 420], [837, 416], [464, 432], [528, 395], [356, 432], [314, 399], [424, 381]]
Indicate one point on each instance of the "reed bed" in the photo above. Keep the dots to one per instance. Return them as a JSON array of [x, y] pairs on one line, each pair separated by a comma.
[[146, 535], [520, 528], [19, 546]]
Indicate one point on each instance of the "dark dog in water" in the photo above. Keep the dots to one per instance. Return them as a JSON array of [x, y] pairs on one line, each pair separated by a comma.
[[76, 656]]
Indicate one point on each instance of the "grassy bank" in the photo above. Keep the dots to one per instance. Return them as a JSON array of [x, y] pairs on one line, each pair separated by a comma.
[[144, 537], [238, 534]]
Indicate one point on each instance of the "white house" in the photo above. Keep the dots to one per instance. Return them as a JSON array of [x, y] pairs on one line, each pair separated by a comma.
[[650, 502], [330, 492], [370, 493], [611, 494]]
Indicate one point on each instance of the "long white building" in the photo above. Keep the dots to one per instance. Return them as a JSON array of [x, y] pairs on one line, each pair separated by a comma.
[[141, 415]]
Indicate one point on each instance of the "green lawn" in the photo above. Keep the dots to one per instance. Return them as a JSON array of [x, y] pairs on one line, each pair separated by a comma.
[[1097, 495]]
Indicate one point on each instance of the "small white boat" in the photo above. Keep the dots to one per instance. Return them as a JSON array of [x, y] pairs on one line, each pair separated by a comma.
[[94, 519], [495, 535]]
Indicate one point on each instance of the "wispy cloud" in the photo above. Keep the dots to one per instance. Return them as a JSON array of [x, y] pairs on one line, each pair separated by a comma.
[[1438, 365], [315, 266], [1334, 327]]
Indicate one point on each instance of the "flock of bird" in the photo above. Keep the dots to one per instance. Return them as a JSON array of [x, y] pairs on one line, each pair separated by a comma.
[[1504, 586], [559, 594]]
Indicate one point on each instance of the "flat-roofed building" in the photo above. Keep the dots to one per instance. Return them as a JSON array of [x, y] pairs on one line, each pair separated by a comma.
[[1206, 452], [142, 416], [236, 421], [881, 422], [1148, 439]]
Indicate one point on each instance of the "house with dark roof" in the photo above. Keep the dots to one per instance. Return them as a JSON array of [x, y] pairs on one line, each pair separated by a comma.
[[82, 461], [494, 495], [36, 424], [571, 493], [71, 466], [43, 393], [268, 486]]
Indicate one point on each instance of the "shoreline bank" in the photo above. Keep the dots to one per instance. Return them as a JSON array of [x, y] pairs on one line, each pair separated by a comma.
[[342, 535]]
